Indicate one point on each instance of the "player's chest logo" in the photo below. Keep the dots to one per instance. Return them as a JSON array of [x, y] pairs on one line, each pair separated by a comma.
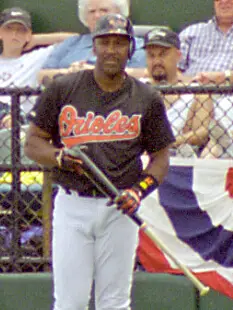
[[75, 129]]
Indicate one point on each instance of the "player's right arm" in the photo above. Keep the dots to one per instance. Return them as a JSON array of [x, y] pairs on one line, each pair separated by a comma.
[[38, 146]]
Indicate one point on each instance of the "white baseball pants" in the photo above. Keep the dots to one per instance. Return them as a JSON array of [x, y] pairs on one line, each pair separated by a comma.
[[91, 241]]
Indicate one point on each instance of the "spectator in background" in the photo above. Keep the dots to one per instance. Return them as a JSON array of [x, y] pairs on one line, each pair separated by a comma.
[[189, 115], [19, 68], [5, 119], [218, 77], [206, 47], [76, 54], [220, 144]]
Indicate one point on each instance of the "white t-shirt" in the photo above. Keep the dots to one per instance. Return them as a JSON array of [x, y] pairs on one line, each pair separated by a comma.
[[177, 115], [21, 72], [221, 128]]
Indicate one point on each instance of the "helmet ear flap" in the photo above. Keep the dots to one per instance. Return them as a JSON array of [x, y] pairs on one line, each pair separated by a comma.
[[132, 47]]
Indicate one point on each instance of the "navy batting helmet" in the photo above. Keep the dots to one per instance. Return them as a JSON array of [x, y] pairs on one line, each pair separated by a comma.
[[115, 24]]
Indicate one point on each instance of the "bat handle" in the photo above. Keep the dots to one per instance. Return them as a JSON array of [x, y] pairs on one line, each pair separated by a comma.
[[137, 219]]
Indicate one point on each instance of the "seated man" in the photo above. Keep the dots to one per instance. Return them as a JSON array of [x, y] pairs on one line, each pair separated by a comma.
[[207, 46], [189, 115], [76, 54], [17, 67]]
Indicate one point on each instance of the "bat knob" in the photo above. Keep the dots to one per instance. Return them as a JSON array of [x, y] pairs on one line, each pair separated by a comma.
[[204, 291]]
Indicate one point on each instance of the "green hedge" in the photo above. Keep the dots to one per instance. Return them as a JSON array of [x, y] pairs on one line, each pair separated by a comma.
[[33, 291], [53, 15]]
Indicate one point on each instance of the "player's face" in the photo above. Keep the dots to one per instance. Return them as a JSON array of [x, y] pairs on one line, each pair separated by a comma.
[[162, 63], [224, 10], [14, 35], [112, 53], [98, 8]]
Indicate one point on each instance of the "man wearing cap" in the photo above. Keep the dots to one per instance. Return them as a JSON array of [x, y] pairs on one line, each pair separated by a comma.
[[189, 115], [17, 67], [163, 52]]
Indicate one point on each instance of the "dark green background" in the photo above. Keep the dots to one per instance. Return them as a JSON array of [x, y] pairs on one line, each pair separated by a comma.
[[61, 15], [151, 291]]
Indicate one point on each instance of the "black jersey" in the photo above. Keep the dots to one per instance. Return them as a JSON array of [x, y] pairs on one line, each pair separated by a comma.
[[116, 127]]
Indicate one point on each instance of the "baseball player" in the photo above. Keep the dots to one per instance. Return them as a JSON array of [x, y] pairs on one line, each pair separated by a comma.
[[115, 118]]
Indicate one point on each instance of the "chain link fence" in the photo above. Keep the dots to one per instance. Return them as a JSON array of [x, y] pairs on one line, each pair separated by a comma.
[[25, 192], [201, 118]]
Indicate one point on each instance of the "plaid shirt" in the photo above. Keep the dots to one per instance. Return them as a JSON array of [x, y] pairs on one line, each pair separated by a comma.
[[205, 47]]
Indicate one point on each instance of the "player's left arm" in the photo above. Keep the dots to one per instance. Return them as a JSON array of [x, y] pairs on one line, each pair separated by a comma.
[[158, 164], [130, 199], [157, 138]]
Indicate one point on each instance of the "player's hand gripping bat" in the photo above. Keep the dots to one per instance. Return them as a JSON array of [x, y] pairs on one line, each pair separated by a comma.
[[99, 179]]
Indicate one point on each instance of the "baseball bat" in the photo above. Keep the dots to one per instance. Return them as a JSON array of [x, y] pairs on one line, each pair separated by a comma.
[[100, 180]]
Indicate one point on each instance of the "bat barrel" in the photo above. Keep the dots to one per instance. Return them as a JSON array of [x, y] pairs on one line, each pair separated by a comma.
[[196, 282]]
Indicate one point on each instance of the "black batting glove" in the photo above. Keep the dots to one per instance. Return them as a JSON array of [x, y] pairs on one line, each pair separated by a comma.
[[128, 201], [66, 161]]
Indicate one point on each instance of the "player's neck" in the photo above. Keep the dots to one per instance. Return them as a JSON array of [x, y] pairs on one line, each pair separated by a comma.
[[107, 83]]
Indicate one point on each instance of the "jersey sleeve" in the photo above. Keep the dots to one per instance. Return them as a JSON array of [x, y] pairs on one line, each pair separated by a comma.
[[46, 110], [156, 129], [53, 61]]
